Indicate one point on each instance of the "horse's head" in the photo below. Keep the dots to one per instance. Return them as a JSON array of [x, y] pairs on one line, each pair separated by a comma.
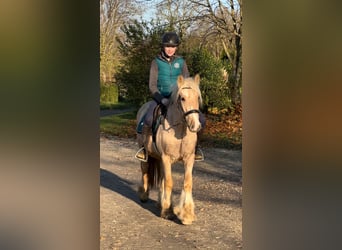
[[189, 100]]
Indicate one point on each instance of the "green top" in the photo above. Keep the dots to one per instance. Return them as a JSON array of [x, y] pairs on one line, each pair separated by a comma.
[[168, 73]]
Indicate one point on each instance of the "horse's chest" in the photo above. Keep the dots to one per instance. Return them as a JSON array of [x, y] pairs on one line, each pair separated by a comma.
[[178, 147]]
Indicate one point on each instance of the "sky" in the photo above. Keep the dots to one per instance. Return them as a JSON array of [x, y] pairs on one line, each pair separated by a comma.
[[150, 9]]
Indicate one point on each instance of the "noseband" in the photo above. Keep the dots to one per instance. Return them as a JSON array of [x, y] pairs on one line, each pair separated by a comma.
[[191, 111]]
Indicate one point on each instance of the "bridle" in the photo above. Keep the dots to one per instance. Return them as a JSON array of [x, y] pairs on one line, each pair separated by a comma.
[[190, 112], [185, 114]]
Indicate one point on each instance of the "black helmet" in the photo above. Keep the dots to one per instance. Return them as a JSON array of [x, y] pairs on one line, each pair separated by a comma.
[[170, 39]]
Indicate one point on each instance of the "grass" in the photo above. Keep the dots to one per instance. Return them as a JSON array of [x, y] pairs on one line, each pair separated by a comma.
[[122, 125], [120, 105]]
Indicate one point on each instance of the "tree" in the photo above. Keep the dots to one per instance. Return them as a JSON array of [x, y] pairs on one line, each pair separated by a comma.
[[176, 15], [213, 26], [113, 13], [221, 21], [139, 46]]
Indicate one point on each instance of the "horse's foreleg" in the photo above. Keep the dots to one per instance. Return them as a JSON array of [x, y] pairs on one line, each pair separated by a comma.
[[185, 211], [144, 189], [166, 191]]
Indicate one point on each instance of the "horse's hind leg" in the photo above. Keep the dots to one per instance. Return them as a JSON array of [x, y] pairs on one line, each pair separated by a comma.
[[144, 189]]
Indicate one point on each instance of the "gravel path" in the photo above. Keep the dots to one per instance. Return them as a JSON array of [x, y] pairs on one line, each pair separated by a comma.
[[126, 223]]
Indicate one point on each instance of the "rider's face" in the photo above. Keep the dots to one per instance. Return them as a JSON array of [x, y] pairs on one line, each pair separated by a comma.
[[170, 51]]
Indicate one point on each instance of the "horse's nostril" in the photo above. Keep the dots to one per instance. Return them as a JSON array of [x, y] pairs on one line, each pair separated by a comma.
[[194, 128]]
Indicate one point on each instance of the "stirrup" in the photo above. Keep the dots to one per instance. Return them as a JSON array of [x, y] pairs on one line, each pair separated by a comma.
[[199, 156], [141, 155]]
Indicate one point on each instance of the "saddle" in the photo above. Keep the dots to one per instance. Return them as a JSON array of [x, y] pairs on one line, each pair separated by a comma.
[[159, 114]]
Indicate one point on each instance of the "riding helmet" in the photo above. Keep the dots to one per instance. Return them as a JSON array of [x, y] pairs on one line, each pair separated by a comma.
[[170, 39]]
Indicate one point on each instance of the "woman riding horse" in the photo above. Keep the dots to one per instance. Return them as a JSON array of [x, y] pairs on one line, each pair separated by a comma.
[[165, 69], [174, 140]]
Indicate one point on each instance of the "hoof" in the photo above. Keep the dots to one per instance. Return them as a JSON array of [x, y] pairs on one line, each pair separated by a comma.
[[167, 214], [187, 221], [143, 196], [184, 218], [176, 211]]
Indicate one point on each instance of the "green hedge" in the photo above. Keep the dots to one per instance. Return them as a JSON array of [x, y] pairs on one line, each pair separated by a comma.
[[109, 93]]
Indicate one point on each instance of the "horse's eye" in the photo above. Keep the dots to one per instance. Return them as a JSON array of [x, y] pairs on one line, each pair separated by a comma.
[[182, 99]]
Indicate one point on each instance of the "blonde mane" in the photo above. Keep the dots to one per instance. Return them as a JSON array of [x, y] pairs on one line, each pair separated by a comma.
[[188, 83]]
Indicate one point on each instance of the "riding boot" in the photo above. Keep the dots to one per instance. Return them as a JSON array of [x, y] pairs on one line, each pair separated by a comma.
[[199, 156], [142, 155]]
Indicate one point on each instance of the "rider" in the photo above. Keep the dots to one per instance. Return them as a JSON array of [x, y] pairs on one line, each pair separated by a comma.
[[164, 71]]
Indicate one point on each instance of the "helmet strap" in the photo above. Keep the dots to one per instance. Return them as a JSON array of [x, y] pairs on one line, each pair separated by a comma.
[[163, 54]]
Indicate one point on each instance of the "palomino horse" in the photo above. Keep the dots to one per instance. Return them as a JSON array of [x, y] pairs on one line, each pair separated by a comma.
[[175, 141]]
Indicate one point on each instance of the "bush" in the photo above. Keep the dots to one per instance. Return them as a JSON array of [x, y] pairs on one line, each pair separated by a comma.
[[138, 49], [215, 90], [109, 93]]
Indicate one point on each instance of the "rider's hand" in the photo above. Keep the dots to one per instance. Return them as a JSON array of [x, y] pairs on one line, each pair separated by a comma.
[[165, 101]]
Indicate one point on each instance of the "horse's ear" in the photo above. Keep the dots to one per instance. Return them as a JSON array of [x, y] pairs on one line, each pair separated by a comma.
[[180, 81], [197, 79]]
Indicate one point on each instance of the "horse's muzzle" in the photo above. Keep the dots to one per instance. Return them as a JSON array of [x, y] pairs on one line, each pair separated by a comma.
[[193, 128], [193, 124], [198, 129]]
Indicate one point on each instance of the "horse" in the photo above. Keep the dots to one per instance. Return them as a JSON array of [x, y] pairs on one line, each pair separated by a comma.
[[175, 141]]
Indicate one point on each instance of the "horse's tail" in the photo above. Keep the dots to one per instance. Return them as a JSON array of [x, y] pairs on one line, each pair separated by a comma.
[[154, 172]]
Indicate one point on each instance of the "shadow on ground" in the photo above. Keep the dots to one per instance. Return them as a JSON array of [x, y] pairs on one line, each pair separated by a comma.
[[124, 187]]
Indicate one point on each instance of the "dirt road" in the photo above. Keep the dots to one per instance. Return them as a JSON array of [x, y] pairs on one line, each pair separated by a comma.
[[126, 223]]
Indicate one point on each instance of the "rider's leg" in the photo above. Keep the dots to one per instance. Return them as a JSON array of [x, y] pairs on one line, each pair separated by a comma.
[[149, 115], [198, 152], [142, 154]]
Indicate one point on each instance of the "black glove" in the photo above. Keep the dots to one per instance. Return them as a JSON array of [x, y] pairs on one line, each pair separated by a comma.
[[165, 102], [157, 97]]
